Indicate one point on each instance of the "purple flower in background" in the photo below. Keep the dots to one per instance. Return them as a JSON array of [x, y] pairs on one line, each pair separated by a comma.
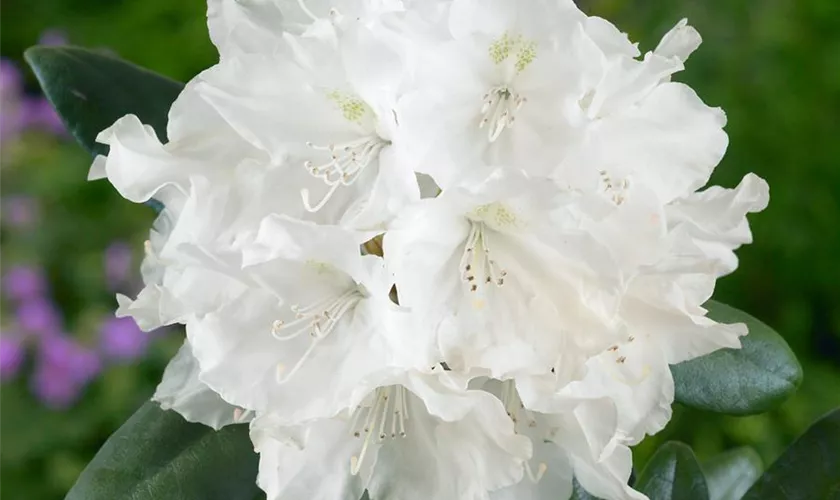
[[118, 263], [18, 111], [11, 356], [39, 113], [10, 100], [78, 362], [122, 340], [23, 282], [20, 211], [53, 388], [38, 316], [64, 368]]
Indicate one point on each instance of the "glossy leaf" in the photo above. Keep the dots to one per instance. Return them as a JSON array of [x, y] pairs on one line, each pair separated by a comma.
[[730, 474], [91, 90], [157, 455], [808, 470], [753, 379], [673, 473]]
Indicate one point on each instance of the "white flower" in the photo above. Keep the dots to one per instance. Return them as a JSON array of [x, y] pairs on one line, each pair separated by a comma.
[[414, 439], [541, 87], [324, 107], [500, 269], [525, 280], [575, 436], [518, 329], [499, 63], [308, 300]]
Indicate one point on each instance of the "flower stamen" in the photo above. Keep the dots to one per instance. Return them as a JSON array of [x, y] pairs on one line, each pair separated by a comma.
[[318, 319], [347, 162], [513, 406], [477, 256], [390, 405], [500, 105], [535, 478]]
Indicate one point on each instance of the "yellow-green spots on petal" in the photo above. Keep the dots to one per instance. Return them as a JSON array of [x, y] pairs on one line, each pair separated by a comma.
[[525, 55], [352, 108], [496, 215], [506, 46], [501, 48]]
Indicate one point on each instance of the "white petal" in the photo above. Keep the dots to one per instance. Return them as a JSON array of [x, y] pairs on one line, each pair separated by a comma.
[[715, 219], [556, 482], [461, 458], [318, 471], [609, 38], [670, 142], [601, 465], [680, 42], [182, 391]]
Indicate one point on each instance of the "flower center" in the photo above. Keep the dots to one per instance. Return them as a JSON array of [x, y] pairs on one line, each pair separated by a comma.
[[318, 319], [344, 167], [477, 264], [521, 416], [615, 189], [383, 415], [498, 110]]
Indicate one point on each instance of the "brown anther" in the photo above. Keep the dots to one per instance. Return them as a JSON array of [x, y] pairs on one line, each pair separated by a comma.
[[621, 360], [473, 288], [500, 281], [613, 348]]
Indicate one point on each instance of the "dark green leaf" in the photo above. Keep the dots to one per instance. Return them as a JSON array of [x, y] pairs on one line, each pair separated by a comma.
[[91, 90], [673, 474], [753, 379], [157, 455], [808, 470], [730, 474]]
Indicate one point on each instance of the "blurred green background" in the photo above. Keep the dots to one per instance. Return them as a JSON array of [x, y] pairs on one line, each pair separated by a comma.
[[774, 66]]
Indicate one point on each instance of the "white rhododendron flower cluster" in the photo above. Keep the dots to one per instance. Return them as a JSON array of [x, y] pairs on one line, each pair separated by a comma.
[[433, 249]]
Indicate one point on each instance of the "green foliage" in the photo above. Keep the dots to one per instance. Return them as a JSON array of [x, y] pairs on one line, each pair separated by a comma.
[[673, 474], [808, 470], [730, 474], [91, 90], [753, 379], [157, 455]]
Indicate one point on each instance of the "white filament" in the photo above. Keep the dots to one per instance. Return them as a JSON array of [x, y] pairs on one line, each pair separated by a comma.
[[346, 164], [389, 406], [498, 110], [513, 406], [318, 319], [477, 258]]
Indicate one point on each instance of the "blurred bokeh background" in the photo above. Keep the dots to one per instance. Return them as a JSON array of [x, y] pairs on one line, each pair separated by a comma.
[[71, 372]]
